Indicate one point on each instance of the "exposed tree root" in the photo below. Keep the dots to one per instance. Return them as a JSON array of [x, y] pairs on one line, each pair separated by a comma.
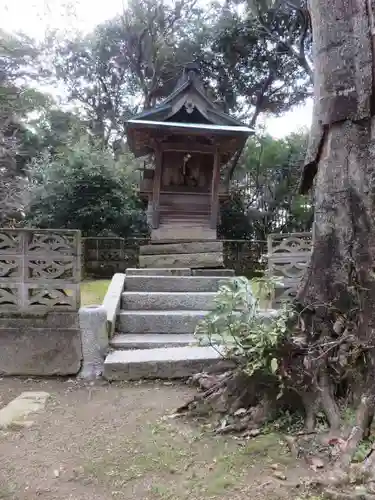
[[328, 402], [249, 402], [244, 404], [310, 404], [212, 385]]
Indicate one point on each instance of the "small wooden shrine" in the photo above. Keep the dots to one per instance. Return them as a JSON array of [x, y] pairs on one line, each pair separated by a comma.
[[191, 140]]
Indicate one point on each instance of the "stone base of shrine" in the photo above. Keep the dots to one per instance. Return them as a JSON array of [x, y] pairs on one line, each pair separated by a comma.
[[193, 255]]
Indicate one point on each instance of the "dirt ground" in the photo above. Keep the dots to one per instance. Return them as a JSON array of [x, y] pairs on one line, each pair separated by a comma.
[[107, 442]]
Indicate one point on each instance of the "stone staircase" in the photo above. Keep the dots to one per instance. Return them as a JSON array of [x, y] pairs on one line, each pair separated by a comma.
[[160, 309]]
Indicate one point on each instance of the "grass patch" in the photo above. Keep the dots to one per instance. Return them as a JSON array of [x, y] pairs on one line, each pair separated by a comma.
[[93, 292], [6, 492], [183, 463]]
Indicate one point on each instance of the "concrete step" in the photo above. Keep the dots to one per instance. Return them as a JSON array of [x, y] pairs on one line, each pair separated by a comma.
[[168, 300], [162, 363], [192, 260], [173, 283], [202, 209], [192, 218], [172, 213], [171, 321], [186, 247], [176, 321], [159, 271], [213, 272], [151, 340], [179, 231]]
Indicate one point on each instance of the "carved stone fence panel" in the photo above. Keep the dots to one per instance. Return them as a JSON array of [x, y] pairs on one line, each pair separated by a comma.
[[288, 257], [40, 270]]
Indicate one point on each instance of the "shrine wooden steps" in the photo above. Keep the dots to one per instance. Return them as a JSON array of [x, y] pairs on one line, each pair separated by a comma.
[[184, 216]]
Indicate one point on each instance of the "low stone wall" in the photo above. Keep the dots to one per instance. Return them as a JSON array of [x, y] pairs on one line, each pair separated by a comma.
[[41, 345], [40, 274]]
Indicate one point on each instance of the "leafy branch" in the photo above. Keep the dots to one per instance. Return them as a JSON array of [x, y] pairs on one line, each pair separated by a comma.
[[241, 331]]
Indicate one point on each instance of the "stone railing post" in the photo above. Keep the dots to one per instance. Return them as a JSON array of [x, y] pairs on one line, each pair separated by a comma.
[[94, 336]]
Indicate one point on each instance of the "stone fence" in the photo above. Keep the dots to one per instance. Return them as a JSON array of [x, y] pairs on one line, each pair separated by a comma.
[[40, 270], [40, 275], [103, 257], [288, 256]]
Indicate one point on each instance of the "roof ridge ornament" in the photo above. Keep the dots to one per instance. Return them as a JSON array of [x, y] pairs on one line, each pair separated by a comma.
[[189, 106]]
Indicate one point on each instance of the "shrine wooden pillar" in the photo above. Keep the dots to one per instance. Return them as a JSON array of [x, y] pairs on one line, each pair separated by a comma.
[[215, 190], [156, 187]]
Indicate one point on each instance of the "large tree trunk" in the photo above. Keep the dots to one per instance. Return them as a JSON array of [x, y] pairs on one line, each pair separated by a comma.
[[333, 353], [337, 295]]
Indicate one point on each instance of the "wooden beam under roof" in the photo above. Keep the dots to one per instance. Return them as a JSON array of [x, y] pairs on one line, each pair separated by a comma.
[[187, 147]]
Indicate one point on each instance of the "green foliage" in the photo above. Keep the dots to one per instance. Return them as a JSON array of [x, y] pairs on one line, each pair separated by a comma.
[[54, 129], [263, 288], [268, 178], [17, 100], [235, 223], [363, 450], [247, 337], [258, 58], [127, 63], [264, 197], [134, 60], [84, 187]]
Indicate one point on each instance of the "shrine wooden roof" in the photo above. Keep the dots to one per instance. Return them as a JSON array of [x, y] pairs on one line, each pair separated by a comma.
[[192, 127], [187, 110]]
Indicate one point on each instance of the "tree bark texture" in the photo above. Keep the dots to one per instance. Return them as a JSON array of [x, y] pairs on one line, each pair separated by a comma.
[[343, 68], [337, 293]]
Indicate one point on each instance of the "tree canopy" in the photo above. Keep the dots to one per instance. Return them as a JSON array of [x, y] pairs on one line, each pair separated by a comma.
[[254, 59], [132, 61], [17, 101]]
